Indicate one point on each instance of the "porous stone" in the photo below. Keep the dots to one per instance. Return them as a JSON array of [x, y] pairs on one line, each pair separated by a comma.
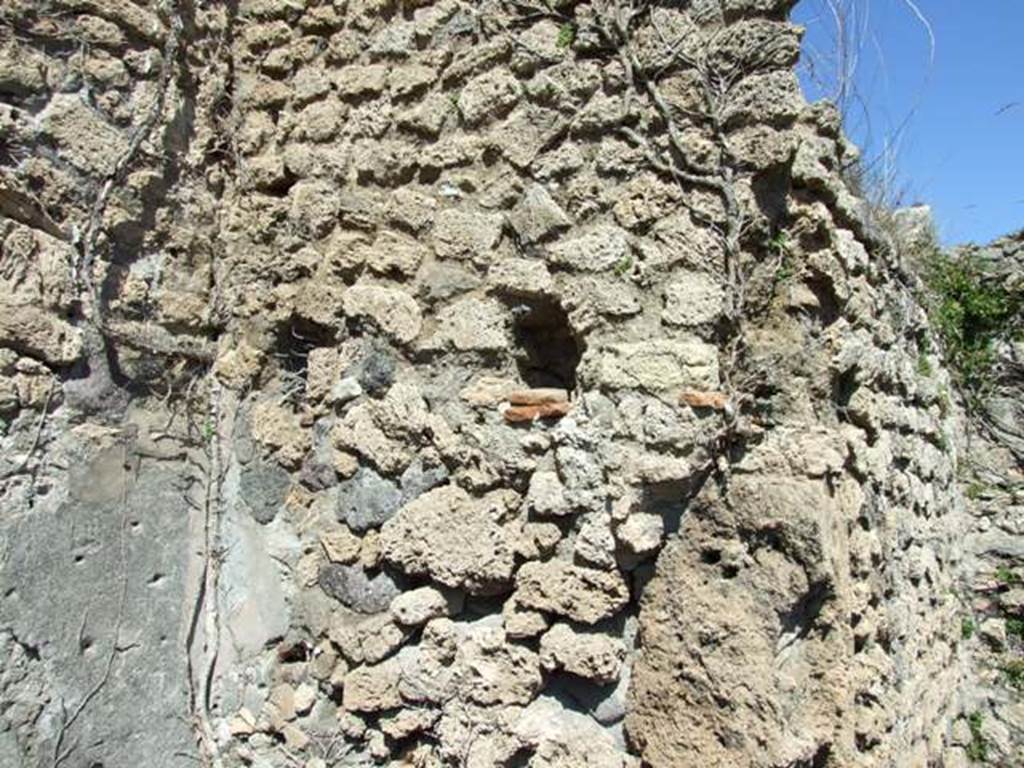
[[466, 235], [652, 366], [697, 299], [537, 216], [456, 540], [582, 594], [590, 655], [393, 311], [367, 500], [488, 96], [421, 605], [263, 485], [32, 331], [546, 496], [601, 249], [354, 588], [373, 688], [471, 325], [641, 533]]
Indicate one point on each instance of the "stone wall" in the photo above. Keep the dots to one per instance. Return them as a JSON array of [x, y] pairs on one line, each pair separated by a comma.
[[458, 383]]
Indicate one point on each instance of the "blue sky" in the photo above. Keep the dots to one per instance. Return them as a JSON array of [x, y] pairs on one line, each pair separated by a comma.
[[953, 112]]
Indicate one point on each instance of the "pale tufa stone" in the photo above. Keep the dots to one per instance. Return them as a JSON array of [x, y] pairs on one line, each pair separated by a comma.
[[590, 655], [373, 688], [521, 623], [38, 333], [641, 533], [323, 365], [361, 81], [409, 79], [595, 543], [490, 671], [378, 637], [243, 723], [652, 366], [410, 209], [488, 96], [546, 495], [395, 254], [467, 235], [697, 299], [487, 391], [418, 606], [305, 698], [562, 738], [520, 277], [456, 540], [582, 594], [408, 721], [471, 325], [279, 430], [603, 248], [84, 139], [537, 216], [340, 545], [395, 312]]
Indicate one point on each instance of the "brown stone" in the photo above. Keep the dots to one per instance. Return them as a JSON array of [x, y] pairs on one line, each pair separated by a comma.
[[695, 399]]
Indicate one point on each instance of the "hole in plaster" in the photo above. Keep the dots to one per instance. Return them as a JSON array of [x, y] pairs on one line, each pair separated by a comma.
[[548, 350]]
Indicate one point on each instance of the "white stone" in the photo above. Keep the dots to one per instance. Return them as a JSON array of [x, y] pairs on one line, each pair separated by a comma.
[[394, 311], [546, 495], [696, 299]]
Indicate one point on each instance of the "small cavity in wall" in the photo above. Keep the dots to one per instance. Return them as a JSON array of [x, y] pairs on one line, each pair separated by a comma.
[[549, 351]]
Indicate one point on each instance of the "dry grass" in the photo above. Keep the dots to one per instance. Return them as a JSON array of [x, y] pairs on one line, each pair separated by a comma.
[[854, 41]]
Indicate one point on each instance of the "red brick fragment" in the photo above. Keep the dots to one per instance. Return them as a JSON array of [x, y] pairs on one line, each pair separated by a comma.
[[695, 399], [519, 414]]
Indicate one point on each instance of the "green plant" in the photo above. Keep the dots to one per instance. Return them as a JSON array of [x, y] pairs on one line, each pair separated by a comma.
[[1015, 628], [977, 749], [208, 430], [975, 490], [623, 265], [971, 313], [778, 246], [1007, 576], [945, 402], [967, 627], [566, 35], [924, 365], [1013, 671]]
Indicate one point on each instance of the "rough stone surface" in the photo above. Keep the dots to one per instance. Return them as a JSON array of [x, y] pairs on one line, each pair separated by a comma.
[[456, 540], [581, 594], [376, 387], [367, 500], [593, 656], [353, 587]]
